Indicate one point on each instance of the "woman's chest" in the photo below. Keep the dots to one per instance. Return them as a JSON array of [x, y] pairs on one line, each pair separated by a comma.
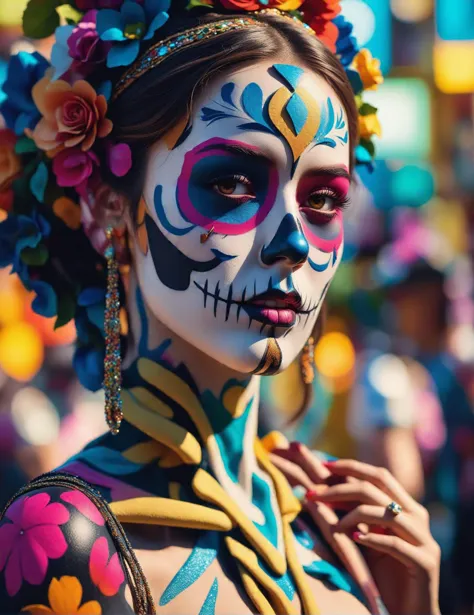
[[202, 578]]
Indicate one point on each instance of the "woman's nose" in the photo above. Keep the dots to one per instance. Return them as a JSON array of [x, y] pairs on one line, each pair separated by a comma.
[[289, 244]]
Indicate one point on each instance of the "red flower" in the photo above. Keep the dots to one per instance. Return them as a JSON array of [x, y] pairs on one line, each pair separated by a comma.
[[322, 9], [326, 31], [10, 167], [240, 5]]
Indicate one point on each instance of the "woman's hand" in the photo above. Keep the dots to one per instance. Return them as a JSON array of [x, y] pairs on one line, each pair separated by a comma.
[[401, 554]]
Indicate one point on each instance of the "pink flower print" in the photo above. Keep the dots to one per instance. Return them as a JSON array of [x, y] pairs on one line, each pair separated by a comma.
[[106, 574], [31, 539], [83, 504]]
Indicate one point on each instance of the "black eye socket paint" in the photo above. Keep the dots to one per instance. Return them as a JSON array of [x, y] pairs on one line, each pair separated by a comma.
[[174, 268]]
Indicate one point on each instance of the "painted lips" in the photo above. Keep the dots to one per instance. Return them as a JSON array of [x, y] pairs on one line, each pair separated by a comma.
[[275, 308]]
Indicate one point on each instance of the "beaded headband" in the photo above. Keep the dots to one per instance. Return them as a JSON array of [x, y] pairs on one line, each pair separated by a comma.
[[163, 49]]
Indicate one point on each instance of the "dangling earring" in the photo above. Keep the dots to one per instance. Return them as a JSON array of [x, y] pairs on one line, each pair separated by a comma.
[[307, 362], [113, 360]]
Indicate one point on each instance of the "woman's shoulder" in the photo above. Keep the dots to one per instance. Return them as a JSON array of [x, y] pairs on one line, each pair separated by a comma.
[[57, 555]]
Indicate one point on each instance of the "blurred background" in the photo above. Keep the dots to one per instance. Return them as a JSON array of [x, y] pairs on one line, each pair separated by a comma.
[[395, 363]]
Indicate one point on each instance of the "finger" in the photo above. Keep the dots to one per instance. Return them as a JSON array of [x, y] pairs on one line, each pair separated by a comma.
[[307, 460], [408, 554], [346, 550], [361, 492], [404, 525], [293, 473], [380, 477]]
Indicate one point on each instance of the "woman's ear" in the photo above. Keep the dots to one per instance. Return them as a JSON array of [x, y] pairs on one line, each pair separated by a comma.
[[110, 208]]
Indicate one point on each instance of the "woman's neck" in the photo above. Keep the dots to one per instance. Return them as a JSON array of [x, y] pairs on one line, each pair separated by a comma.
[[229, 399]]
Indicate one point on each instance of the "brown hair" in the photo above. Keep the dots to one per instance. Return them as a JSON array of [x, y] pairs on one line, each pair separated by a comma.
[[157, 101]]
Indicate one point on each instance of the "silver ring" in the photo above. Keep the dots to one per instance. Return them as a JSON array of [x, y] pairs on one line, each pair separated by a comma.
[[394, 508]]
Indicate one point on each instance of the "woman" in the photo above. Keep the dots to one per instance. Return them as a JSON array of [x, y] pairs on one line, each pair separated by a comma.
[[242, 129]]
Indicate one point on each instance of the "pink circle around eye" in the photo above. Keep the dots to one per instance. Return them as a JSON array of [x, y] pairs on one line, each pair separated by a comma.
[[195, 217], [326, 244]]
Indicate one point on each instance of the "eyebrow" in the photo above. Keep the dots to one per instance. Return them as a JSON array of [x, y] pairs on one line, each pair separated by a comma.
[[240, 150], [330, 172]]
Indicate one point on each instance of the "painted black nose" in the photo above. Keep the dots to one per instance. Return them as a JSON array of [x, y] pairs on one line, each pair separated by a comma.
[[289, 244]]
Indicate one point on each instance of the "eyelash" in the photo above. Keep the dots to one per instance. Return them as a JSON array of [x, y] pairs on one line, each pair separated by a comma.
[[341, 202]]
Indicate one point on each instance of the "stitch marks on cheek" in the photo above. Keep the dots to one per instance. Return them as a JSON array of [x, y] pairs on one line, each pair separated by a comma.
[[270, 363]]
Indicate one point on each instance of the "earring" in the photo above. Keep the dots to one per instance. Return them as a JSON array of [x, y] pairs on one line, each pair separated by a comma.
[[113, 360], [307, 362]]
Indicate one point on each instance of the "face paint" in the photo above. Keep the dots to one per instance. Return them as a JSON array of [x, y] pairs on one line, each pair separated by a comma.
[[216, 159], [228, 254], [291, 113]]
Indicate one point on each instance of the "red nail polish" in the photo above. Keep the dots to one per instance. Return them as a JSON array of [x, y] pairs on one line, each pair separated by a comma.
[[295, 447], [328, 464], [311, 494], [356, 535]]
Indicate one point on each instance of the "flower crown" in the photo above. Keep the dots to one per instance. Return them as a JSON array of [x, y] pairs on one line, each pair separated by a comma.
[[58, 135]]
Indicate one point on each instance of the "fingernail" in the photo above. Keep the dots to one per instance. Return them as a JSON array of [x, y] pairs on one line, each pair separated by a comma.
[[357, 535], [328, 464], [295, 447], [311, 494]]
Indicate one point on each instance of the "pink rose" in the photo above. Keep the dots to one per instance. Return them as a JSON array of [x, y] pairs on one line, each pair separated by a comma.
[[84, 44], [73, 167]]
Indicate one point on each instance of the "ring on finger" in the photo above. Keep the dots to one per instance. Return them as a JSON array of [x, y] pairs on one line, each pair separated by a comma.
[[394, 508]]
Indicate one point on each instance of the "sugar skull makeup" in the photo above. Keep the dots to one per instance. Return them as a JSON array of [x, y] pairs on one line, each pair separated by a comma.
[[239, 231]]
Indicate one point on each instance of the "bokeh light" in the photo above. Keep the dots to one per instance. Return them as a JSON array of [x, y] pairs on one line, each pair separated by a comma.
[[21, 351]]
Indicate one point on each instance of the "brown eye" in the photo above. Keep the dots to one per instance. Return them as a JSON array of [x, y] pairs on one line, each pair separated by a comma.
[[321, 202], [233, 186], [227, 186]]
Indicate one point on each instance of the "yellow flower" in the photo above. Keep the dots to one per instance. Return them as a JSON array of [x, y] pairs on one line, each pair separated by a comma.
[[68, 211], [368, 69], [369, 125], [65, 597]]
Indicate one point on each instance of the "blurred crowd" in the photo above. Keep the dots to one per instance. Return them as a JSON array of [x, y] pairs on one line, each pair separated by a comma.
[[395, 362]]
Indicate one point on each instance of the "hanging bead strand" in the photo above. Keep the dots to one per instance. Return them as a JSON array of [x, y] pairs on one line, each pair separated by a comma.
[[113, 361]]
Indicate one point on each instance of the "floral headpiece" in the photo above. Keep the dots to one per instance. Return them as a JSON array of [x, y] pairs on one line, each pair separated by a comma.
[[58, 138]]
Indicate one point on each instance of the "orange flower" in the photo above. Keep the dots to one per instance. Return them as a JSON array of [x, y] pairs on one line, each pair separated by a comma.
[[68, 211], [368, 69], [369, 125], [10, 167], [65, 597], [73, 115]]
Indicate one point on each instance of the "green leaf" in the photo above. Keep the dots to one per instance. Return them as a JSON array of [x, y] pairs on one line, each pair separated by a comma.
[[369, 146], [366, 109], [193, 3], [70, 14], [66, 309], [35, 257], [40, 18], [24, 145]]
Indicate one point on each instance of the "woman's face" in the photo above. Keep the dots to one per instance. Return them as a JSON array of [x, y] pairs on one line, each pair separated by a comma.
[[240, 225]]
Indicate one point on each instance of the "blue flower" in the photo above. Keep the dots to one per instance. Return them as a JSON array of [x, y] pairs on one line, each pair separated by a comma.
[[346, 44], [18, 109], [88, 364], [18, 233], [127, 27]]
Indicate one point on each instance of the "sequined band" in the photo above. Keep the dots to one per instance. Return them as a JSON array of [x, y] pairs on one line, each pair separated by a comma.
[[161, 50]]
